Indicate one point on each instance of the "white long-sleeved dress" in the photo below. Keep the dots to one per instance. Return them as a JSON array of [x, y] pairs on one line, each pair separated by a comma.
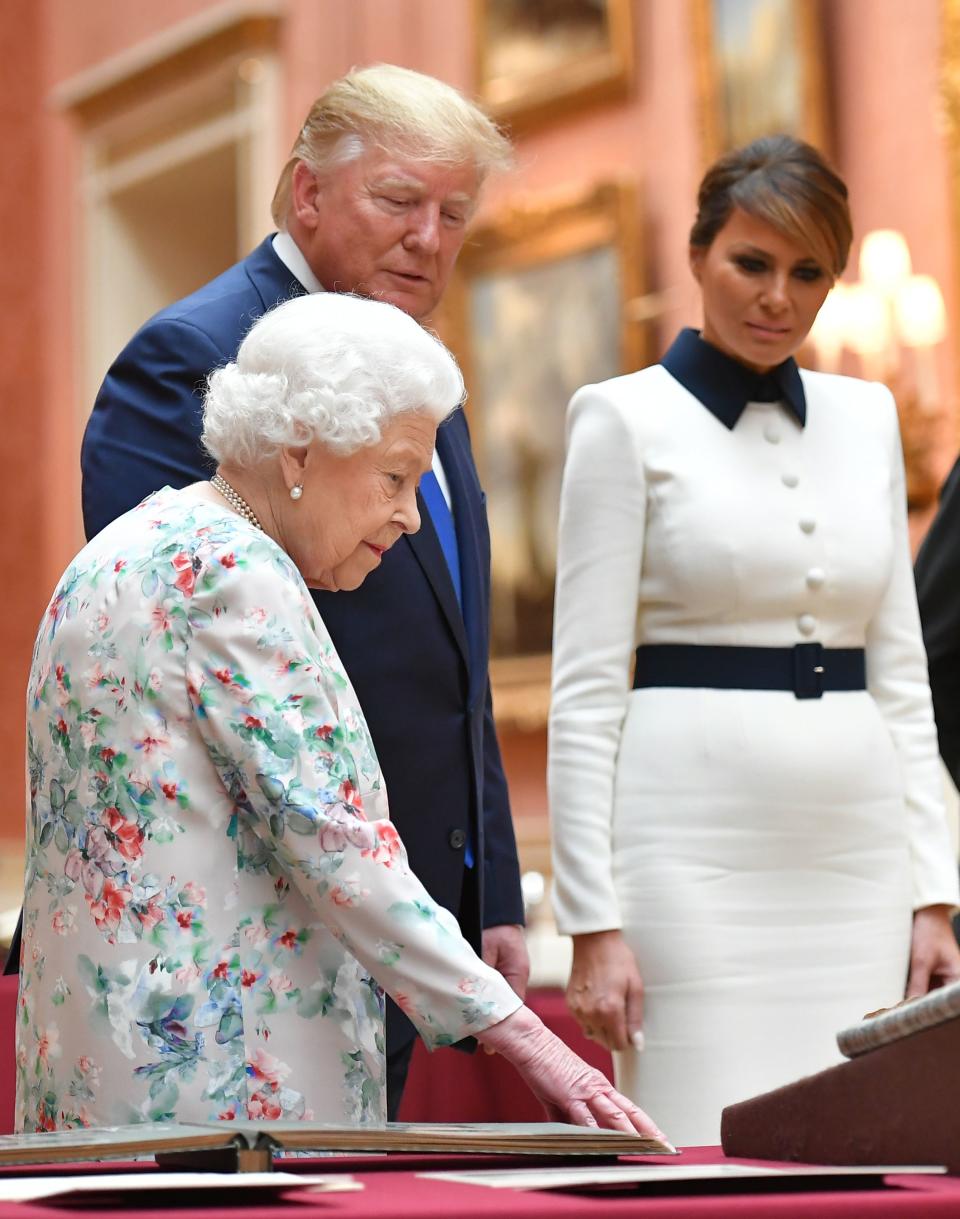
[[761, 853]]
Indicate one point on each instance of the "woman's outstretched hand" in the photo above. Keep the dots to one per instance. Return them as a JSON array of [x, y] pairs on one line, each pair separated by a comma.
[[569, 1089]]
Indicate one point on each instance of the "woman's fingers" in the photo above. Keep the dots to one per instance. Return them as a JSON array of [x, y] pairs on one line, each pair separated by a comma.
[[578, 1112], [603, 1018], [610, 1115], [634, 1116], [569, 1089], [605, 992], [634, 1013], [609, 1109]]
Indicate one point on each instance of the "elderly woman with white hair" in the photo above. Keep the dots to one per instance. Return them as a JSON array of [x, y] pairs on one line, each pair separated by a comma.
[[212, 881]]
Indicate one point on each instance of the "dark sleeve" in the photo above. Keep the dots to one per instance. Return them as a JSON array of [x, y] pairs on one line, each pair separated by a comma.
[[938, 594], [144, 432], [502, 900]]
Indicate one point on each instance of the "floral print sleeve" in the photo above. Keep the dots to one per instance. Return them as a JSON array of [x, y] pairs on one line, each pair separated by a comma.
[[297, 764], [212, 884]]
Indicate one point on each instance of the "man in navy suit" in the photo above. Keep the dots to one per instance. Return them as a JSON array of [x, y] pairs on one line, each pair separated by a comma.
[[374, 199], [937, 573], [938, 595]]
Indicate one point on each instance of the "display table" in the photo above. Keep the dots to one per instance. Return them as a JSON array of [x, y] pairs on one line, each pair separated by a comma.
[[393, 1189]]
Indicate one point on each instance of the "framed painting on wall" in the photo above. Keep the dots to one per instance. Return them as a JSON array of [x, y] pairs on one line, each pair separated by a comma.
[[539, 58], [537, 308], [759, 71]]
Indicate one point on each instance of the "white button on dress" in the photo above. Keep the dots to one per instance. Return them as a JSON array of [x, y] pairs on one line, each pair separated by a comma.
[[808, 524], [789, 480], [815, 578], [806, 624], [771, 433]]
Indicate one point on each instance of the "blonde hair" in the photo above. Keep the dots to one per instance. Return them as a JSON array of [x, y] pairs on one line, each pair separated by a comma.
[[397, 110], [788, 184]]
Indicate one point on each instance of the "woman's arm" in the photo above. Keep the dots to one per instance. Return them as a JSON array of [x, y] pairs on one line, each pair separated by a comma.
[[283, 730], [897, 680], [282, 727], [600, 552]]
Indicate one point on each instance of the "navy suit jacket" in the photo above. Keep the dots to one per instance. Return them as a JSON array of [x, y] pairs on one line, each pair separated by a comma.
[[418, 664], [938, 595]]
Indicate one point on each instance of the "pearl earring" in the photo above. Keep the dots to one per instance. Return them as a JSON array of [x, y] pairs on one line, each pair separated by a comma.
[[296, 491]]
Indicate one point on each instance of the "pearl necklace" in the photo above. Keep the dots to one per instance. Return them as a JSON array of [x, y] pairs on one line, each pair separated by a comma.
[[236, 501]]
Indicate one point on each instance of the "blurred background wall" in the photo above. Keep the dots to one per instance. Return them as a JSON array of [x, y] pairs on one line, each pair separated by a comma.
[[141, 143]]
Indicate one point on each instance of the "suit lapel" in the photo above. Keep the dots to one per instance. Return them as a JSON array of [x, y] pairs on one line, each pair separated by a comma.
[[453, 445], [428, 553], [273, 281]]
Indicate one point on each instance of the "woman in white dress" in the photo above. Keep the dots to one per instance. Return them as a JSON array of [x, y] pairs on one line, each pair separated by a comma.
[[750, 845]]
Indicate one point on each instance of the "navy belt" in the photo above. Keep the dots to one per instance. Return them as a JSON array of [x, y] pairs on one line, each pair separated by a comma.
[[808, 669]]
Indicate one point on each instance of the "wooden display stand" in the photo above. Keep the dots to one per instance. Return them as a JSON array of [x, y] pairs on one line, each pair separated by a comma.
[[897, 1104]]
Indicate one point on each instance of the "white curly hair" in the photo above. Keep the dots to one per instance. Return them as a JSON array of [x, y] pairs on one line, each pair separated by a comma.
[[330, 367]]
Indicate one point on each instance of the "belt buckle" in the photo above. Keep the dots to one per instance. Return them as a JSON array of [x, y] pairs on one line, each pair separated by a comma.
[[808, 670]]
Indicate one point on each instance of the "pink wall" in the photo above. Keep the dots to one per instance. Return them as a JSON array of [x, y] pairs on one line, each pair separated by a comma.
[[890, 143], [79, 36], [30, 486]]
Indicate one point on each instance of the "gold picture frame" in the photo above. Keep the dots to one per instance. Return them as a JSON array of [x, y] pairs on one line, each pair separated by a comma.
[[540, 304], [540, 59], [759, 66]]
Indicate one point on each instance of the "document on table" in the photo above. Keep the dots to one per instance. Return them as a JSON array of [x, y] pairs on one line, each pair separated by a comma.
[[640, 1175], [28, 1189], [149, 1138]]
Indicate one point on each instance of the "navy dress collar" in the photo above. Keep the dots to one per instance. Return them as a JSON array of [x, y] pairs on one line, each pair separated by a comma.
[[725, 386]]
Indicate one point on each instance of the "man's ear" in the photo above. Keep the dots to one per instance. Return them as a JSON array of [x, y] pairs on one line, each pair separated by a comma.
[[697, 254], [304, 194]]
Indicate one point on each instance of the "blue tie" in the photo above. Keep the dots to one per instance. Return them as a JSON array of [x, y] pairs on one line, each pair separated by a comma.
[[442, 519]]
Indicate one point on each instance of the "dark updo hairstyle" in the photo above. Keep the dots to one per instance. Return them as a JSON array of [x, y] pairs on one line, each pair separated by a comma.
[[786, 183]]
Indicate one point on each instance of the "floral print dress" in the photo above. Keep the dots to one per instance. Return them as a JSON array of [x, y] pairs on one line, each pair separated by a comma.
[[212, 884]]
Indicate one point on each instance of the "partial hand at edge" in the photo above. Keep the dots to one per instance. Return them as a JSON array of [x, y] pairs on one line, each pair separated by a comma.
[[505, 950], [934, 954], [568, 1088], [605, 991]]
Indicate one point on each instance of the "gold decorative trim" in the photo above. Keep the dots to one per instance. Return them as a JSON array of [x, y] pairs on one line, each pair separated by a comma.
[[540, 229], [808, 33], [532, 232], [189, 46], [593, 78]]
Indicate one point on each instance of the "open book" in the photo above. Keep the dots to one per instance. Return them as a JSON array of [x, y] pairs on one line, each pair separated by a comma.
[[910, 1016], [160, 1139]]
